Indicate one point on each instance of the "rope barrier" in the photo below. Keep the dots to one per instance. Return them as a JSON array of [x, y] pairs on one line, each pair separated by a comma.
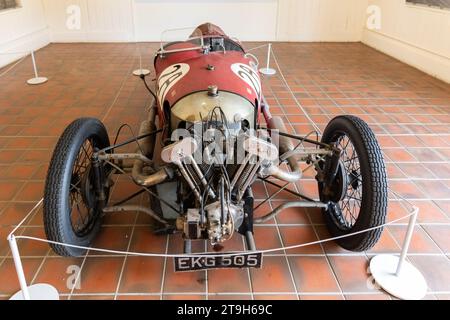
[[33, 81], [11, 236], [12, 67], [16, 52], [20, 272], [206, 254]]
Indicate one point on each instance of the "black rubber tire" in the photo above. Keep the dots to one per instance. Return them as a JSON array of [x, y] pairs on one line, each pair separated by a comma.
[[57, 220], [374, 202]]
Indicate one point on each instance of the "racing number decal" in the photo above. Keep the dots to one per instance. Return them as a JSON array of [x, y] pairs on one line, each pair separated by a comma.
[[169, 77], [246, 73]]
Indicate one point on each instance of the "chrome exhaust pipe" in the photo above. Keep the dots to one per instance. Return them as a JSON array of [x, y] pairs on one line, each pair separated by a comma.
[[285, 145], [146, 147]]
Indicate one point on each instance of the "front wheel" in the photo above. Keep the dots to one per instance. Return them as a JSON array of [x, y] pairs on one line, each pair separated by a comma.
[[358, 193], [72, 205]]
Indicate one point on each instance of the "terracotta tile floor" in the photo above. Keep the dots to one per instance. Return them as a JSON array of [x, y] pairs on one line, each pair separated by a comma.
[[409, 111]]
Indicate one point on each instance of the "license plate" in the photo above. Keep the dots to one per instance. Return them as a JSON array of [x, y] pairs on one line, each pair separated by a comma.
[[245, 260]]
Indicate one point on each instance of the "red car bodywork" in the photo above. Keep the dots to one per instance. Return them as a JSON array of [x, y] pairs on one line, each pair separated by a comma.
[[228, 70]]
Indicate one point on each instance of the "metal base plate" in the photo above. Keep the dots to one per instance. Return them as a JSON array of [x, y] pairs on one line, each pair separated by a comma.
[[408, 285], [139, 72], [39, 292], [268, 71], [35, 81]]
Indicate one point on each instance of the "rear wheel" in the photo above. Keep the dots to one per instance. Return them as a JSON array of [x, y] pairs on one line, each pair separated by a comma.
[[358, 194], [72, 207]]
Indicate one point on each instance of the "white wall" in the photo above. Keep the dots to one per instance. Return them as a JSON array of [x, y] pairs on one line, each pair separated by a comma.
[[101, 20], [321, 20], [245, 19], [285, 20], [22, 29], [416, 35]]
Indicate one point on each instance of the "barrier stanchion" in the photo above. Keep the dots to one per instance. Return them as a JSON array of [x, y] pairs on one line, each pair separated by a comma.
[[36, 80], [34, 292], [24, 293], [268, 71], [396, 275], [141, 71]]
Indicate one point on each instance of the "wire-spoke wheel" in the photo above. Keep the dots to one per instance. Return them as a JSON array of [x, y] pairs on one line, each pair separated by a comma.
[[72, 209], [358, 194], [82, 193]]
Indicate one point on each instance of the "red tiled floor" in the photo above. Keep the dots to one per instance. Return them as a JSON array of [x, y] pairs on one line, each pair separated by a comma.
[[435, 269], [112, 238], [394, 172], [229, 297], [33, 248], [408, 110], [32, 191], [14, 213], [139, 268], [60, 273], [433, 189], [262, 210], [443, 296], [4, 246], [183, 297], [386, 244], [352, 273], [429, 212], [220, 281], [8, 277], [407, 189], [398, 155], [440, 235], [322, 297], [444, 205], [145, 241], [17, 171], [313, 274], [415, 170], [329, 246], [295, 235], [397, 210], [92, 297], [138, 297], [291, 215], [368, 297], [183, 282], [420, 241], [274, 277], [100, 275], [9, 189], [269, 297], [267, 238]]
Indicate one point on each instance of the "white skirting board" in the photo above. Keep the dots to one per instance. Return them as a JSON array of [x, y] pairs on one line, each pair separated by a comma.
[[33, 41], [431, 63]]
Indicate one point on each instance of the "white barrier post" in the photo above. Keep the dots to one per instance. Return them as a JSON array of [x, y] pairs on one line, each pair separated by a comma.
[[36, 80], [25, 294], [140, 71], [267, 70], [396, 275], [34, 292]]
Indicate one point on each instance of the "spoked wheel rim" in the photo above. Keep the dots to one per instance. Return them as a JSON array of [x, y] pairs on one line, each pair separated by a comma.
[[82, 197], [348, 206]]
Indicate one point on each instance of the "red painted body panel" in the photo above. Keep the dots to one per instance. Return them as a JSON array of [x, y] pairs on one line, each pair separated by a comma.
[[199, 77], [179, 74]]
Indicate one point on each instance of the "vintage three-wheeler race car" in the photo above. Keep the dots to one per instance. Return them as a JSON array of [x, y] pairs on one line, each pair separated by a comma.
[[208, 138]]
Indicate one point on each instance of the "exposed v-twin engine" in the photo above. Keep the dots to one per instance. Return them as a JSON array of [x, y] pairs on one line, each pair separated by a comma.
[[219, 167]]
